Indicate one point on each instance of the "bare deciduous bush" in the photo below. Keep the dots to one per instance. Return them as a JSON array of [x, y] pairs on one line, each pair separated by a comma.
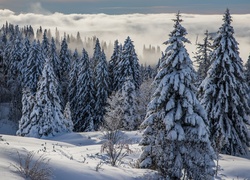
[[115, 151], [31, 168], [115, 146]]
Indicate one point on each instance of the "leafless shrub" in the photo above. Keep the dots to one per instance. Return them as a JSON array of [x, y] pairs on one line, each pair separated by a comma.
[[115, 151], [33, 169], [115, 145]]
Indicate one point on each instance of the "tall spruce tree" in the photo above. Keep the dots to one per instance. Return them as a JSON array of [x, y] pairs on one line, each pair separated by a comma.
[[130, 119], [47, 114], [65, 60], [14, 78], [15, 58], [3, 85], [55, 61], [176, 137], [112, 66], [96, 56], [225, 94], [25, 56], [45, 45], [129, 65], [117, 67], [73, 76], [102, 90], [33, 70], [82, 115], [7, 55]]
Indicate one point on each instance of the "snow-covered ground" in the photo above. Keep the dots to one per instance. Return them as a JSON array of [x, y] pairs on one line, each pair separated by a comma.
[[76, 156]]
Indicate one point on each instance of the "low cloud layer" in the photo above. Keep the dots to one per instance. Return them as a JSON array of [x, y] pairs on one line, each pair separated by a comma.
[[142, 28]]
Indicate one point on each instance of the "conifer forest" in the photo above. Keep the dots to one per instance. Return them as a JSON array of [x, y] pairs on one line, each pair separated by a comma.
[[190, 107]]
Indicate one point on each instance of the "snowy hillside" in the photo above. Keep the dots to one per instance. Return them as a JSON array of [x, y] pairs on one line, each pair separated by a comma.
[[72, 156], [77, 155]]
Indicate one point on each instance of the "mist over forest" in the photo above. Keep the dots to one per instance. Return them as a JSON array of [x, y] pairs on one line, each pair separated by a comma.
[[148, 31]]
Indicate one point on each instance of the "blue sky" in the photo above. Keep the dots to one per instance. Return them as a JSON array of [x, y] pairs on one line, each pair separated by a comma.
[[128, 6]]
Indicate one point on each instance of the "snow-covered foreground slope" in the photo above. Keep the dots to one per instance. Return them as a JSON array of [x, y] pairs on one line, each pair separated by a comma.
[[76, 156], [72, 156]]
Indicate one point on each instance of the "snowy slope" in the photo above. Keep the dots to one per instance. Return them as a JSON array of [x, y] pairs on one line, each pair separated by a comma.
[[72, 156], [76, 156]]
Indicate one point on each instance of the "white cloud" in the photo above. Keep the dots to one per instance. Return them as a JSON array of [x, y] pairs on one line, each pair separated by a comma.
[[5, 13], [142, 28]]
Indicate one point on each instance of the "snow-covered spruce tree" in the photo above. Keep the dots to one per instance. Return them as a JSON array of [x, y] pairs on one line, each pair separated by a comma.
[[112, 65], [14, 78], [82, 115], [64, 57], [4, 92], [203, 57], [129, 65], [96, 56], [116, 72], [130, 120], [15, 59], [73, 76], [102, 90], [53, 56], [45, 45], [47, 114], [176, 137], [7, 54], [25, 56], [225, 94], [25, 123], [33, 70]]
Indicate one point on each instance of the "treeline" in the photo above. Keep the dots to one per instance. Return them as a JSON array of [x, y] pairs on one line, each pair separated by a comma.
[[75, 81]]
